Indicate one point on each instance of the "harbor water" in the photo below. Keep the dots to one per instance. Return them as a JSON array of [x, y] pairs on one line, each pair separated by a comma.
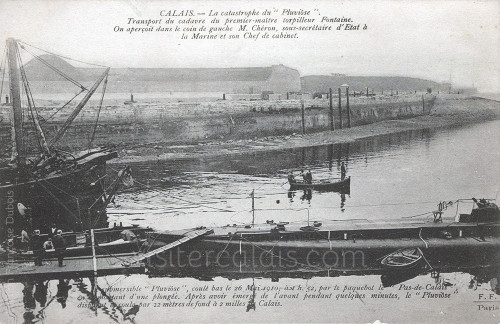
[[393, 177]]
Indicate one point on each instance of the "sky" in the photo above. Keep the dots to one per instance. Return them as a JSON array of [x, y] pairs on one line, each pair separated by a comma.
[[435, 40]]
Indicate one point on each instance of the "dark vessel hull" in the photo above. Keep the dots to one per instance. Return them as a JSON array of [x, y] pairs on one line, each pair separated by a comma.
[[73, 199], [340, 186], [331, 247]]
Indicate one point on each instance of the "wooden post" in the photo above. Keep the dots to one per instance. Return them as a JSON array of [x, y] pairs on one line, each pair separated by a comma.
[[340, 108], [303, 117], [382, 91], [348, 109], [94, 294], [332, 124], [287, 95], [367, 91], [423, 104], [253, 207], [94, 260]]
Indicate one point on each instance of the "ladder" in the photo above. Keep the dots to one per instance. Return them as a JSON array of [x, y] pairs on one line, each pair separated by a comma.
[[186, 238]]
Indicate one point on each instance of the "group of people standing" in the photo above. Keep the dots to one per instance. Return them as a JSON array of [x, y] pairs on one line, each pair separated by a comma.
[[39, 246], [307, 176]]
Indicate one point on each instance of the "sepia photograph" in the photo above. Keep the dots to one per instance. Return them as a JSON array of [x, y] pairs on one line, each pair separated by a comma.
[[249, 161]]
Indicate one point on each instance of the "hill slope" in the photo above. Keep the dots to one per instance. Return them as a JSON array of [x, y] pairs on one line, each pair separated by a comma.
[[322, 83]]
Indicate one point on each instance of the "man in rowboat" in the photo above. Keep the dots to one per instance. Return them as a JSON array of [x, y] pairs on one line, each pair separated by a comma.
[[309, 178]]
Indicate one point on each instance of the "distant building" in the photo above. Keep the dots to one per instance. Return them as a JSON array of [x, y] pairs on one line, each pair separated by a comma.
[[248, 80]]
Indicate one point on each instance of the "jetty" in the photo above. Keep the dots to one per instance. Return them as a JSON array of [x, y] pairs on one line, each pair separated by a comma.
[[92, 265], [75, 266]]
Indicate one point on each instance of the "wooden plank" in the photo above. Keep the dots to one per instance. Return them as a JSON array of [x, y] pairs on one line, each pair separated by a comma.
[[187, 237], [76, 265]]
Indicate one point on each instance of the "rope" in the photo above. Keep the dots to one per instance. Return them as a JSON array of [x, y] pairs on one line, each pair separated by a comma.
[[53, 68], [68, 58], [184, 200], [59, 189], [420, 235], [31, 102], [220, 254], [58, 110], [98, 111], [47, 305], [417, 215], [425, 259], [282, 258], [53, 196], [270, 251], [110, 254], [103, 193]]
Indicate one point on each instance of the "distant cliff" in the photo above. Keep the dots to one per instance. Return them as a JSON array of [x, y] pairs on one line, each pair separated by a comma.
[[244, 80], [322, 83]]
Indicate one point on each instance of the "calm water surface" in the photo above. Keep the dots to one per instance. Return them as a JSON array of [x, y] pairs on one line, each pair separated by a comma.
[[393, 176]]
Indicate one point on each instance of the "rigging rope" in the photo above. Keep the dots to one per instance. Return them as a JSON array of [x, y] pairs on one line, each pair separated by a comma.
[[68, 58], [184, 200], [98, 111], [282, 258], [67, 103], [29, 96], [56, 199], [53, 68]]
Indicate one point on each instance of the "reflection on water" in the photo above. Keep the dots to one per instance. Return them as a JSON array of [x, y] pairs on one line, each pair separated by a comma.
[[109, 298], [392, 176]]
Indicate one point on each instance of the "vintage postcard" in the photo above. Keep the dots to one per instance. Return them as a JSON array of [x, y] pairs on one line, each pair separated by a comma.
[[249, 161]]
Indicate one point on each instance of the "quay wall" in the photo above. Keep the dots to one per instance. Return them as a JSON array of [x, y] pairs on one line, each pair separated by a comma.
[[199, 121]]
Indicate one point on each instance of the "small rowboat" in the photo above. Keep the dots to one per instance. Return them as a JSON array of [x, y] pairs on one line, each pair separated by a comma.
[[324, 185], [403, 259]]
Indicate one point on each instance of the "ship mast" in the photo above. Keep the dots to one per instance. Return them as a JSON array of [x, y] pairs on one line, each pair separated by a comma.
[[78, 108], [18, 149]]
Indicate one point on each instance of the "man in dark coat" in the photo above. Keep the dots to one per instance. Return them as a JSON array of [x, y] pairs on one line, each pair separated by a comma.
[[53, 230], [59, 246], [62, 291], [41, 292], [37, 246], [342, 171], [309, 177]]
